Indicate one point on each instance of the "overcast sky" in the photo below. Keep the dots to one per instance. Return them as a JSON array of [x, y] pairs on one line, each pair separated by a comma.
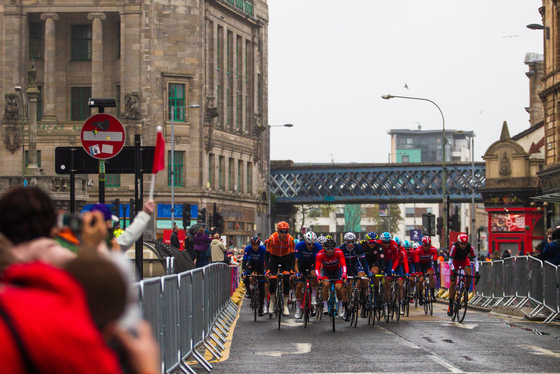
[[330, 61]]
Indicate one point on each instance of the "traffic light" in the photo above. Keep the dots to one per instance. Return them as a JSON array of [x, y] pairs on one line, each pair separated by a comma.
[[428, 224], [439, 225], [202, 215], [186, 215], [218, 222], [116, 208]]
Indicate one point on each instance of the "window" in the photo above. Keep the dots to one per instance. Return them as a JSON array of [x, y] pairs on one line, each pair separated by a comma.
[[239, 176], [35, 31], [221, 172], [177, 166], [410, 212], [211, 161], [81, 43], [40, 103], [27, 158], [112, 180], [249, 177], [177, 100], [231, 174], [118, 98], [118, 39], [79, 105]]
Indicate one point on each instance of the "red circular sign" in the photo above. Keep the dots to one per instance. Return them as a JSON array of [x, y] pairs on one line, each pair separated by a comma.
[[103, 136]]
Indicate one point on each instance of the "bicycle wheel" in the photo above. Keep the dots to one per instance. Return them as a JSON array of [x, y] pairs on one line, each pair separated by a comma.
[[319, 306], [463, 301], [279, 304], [355, 307], [255, 303], [380, 302], [406, 300], [386, 306], [306, 306], [370, 309], [332, 306], [426, 302], [430, 303], [398, 305]]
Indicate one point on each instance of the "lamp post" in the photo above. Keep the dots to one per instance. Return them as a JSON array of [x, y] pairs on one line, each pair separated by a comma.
[[443, 176], [473, 218], [173, 157], [268, 181]]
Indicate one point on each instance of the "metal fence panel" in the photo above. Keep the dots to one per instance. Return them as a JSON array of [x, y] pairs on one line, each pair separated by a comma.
[[550, 286], [170, 309], [558, 289], [151, 309], [521, 276], [485, 284], [498, 278], [198, 305], [185, 314], [509, 277], [535, 267]]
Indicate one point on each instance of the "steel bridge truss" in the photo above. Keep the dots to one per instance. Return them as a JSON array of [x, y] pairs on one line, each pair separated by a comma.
[[376, 183]]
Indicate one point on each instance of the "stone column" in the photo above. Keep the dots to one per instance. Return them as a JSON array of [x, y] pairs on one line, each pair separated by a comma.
[[50, 67], [97, 54], [32, 95]]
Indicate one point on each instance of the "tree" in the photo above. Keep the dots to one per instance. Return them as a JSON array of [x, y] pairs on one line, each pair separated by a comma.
[[388, 220]]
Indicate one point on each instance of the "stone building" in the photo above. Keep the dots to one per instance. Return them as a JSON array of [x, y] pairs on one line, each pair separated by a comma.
[[151, 56]]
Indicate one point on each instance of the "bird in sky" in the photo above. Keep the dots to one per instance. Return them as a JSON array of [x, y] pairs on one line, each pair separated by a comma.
[[510, 36], [405, 85]]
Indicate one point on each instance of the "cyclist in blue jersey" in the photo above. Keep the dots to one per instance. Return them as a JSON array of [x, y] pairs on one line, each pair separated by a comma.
[[357, 266], [305, 265], [254, 264]]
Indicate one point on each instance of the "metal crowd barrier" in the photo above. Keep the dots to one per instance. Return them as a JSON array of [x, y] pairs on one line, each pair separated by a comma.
[[525, 279], [188, 311]]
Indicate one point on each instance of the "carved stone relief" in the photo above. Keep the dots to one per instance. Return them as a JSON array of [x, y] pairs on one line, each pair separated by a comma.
[[132, 105], [505, 165], [12, 137], [11, 109]]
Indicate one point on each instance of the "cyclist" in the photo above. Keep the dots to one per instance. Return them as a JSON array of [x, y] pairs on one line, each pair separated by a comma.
[[390, 247], [280, 251], [330, 264], [305, 265], [412, 263], [375, 257], [427, 265], [400, 268], [254, 264], [459, 256], [357, 267]]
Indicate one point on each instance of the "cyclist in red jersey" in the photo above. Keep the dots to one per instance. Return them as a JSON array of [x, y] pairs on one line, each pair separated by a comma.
[[280, 254], [459, 256], [400, 263], [390, 247], [331, 264], [427, 264]]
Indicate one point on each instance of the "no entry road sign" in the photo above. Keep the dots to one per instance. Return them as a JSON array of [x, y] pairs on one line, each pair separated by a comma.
[[102, 136]]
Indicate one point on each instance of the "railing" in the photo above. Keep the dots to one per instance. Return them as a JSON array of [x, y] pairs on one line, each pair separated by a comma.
[[523, 280], [187, 311]]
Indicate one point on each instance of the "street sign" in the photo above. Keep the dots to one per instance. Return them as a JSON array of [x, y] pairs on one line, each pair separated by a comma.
[[123, 163], [102, 136], [415, 235]]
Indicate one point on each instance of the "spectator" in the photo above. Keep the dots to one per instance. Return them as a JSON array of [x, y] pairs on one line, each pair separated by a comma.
[[547, 239], [208, 250], [496, 255], [201, 243], [218, 250], [551, 251], [188, 243], [507, 253], [175, 237]]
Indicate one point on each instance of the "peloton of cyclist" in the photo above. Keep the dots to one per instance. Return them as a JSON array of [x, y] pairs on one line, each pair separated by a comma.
[[427, 265], [306, 250], [280, 253], [330, 264], [253, 264], [357, 267], [459, 256]]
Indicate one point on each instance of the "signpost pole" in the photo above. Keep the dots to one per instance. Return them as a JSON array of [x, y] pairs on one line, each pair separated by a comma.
[[138, 177], [101, 109], [72, 182]]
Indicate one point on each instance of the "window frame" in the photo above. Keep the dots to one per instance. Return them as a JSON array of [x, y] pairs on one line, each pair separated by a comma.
[[81, 38], [178, 168]]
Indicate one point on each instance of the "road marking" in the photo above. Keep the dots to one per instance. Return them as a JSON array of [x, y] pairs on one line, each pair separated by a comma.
[[542, 351], [405, 341], [442, 362], [461, 325], [301, 348]]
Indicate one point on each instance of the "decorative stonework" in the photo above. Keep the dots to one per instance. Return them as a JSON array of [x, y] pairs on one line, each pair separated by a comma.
[[209, 139], [131, 131], [11, 108], [132, 105], [49, 2], [505, 165], [12, 138]]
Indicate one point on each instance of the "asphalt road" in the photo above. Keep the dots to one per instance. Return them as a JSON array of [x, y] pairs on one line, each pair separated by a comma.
[[483, 343]]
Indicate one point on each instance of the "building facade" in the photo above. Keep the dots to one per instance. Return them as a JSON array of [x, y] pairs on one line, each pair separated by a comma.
[[156, 58]]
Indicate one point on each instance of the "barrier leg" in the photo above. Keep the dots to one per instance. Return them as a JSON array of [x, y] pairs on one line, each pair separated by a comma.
[[201, 360], [217, 355], [218, 342], [186, 369], [220, 336], [551, 318], [537, 310], [522, 302]]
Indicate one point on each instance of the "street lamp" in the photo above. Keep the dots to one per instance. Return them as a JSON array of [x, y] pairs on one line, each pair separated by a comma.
[[268, 182], [173, 157], [443, 177], [536, 26]]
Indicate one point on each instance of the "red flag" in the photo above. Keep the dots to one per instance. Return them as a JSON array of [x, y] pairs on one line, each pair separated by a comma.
[[159, 154]]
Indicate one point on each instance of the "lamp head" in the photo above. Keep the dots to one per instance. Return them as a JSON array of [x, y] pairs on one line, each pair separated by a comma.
[[387, 97], [288, 125], [194, 106], [17, 88], [535, 26]]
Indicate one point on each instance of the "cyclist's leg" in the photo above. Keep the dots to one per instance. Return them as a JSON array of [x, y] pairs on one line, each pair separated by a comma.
[[388, 269], [274, 261], [432, 283], [400, 275]]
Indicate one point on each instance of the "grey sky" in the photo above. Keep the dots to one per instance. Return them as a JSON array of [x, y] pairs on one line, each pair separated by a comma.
[[330, 61]]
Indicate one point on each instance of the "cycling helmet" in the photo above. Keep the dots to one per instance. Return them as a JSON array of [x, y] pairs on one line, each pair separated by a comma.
[[321, 239], [349, 236], [426, 240], [330, 244], [255, 240], [371, 236], [283, 225], [296, 241], [463, 238], [397, 239], [386, 237], [329, 237], [406, 244], [310, 237], [415, 245]]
